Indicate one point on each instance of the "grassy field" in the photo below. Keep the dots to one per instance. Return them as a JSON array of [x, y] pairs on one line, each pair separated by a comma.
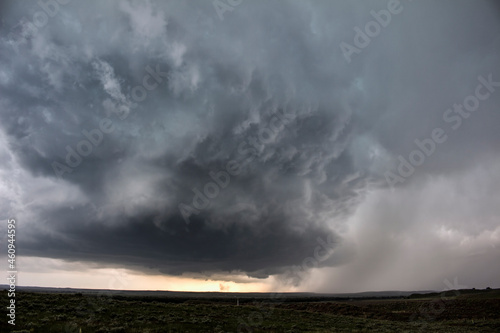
[[461, 311]]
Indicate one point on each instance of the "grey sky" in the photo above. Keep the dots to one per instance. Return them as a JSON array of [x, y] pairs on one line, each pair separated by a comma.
[[266, 88]]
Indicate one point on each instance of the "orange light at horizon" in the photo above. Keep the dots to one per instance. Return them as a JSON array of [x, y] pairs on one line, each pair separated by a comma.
[[60, 274]]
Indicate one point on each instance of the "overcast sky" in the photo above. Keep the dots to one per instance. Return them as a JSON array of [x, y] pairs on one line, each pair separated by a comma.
[[330, 146]]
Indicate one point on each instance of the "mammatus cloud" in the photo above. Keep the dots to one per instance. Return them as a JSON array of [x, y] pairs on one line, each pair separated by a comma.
[[158, 135]]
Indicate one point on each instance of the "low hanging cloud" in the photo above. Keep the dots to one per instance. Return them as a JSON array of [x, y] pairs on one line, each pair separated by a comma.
[[157, 135]]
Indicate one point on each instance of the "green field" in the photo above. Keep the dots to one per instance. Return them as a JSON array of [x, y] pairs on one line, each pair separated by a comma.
[[470, 311]]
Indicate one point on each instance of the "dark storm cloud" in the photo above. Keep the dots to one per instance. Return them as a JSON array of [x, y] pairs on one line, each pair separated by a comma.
[[221, 86], [217, 87], [138, 242]]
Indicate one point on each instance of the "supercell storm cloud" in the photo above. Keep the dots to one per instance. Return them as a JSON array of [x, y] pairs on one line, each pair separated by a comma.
[[235, 137]]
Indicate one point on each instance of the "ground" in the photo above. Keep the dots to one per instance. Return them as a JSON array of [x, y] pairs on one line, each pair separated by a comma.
[[459, 311]]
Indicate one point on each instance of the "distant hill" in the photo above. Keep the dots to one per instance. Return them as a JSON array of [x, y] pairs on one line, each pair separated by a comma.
[[188, 294]]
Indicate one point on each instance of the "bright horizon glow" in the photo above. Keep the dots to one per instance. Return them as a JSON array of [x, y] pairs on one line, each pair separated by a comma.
[[55, 273]]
